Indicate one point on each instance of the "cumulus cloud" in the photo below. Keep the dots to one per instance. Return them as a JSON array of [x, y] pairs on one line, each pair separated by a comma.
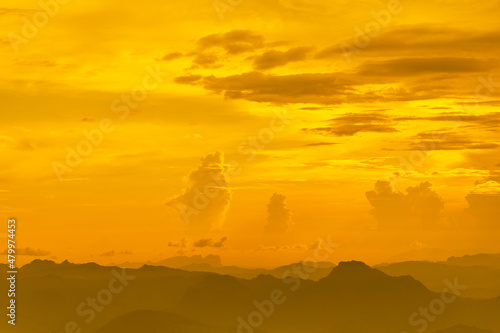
[[278, 219], [206, 199], [208, 242], [484, 202], [420, 204], [425, 203]]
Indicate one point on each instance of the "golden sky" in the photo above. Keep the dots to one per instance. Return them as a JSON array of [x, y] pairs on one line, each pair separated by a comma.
[[375, 122]]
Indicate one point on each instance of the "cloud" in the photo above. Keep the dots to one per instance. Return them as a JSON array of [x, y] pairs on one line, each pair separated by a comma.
[[423, 66], [273, 58], [449, 140], [207, 242], [487, 121], [396, 209], [206, 199], [316, 144], [188, 79], [438, 40], [352, 123], [425, 203], [326, 88], [215, 50], [28, 251], [278, 219], [207, 60], [112, 253], [315, 108], [17, 11], [398, 76], [182, 243], [233, 42], [320, 88], [484, 202], [172, 56]]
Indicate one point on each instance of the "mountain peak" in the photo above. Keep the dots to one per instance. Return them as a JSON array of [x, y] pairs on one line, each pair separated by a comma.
[[356, 275], [354, 272], [353, 263], [41, 263], [353, 267]]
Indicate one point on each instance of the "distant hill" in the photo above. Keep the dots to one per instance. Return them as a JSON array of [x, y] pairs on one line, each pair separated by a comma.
[[178, 262], [352, 298], [154, 322], [483, 259], [319, 271], [428, 254], [481, 282], [213, 264]]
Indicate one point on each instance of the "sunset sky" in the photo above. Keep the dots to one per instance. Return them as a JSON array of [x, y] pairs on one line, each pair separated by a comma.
[[375, 122]]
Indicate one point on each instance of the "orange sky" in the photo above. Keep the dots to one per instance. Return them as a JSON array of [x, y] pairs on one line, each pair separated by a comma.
[[377, 121]]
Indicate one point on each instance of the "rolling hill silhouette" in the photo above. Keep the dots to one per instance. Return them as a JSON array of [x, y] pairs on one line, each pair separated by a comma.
[[491, 260], [481, 281], [353, 298], [154, 322], [179, 262], [213, 264]]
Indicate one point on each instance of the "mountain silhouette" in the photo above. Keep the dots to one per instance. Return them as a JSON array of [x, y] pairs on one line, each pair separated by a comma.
[[179, 262], [213, 264], [482, 259], [352, 298], [482, 282], [154, 322]]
